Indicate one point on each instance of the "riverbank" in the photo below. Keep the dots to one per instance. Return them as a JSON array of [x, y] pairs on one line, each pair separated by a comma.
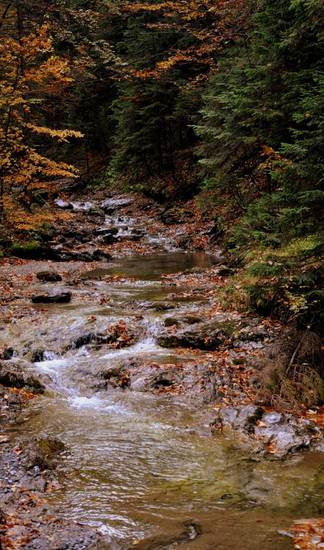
[[117, 315]]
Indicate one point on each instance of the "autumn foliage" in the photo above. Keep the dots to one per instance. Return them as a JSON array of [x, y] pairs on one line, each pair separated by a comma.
[[207, 24], [30, 73]]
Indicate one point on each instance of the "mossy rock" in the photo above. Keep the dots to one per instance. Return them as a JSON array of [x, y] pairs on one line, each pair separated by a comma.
[[28, 250], [43, 453]]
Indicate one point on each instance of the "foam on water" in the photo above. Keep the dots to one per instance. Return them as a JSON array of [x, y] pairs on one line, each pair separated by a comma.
[[51, 366], [82, 402], [145, 346], [97, 403]]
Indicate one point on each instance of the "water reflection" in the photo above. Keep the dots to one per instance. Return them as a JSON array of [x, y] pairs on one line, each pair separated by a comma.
[[152, 267]]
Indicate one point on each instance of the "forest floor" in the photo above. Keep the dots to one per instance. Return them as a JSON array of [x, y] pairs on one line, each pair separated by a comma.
[[226, 377]]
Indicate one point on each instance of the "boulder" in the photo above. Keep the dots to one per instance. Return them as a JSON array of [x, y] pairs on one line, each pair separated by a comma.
[[100, 255], [187, 533], [171, 322], [184, 319], [96, 212], [16, 375], [37, 251], [118, 335], [197, 383], [8, 353], [252, 333], [53, 298], [37, 355], [191, 319], [43, 453], [115, 377], [90, 338], [61, 254], [110, 205], [33, 250], [81, 236], [109, 236], [275, 433], [130, 236], [243, 418], [206, 336], [285, 433], [170, 216], [48, 276], [224, 271]]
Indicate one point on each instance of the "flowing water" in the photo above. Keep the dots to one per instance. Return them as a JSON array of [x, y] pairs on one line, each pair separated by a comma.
[[140, 465]]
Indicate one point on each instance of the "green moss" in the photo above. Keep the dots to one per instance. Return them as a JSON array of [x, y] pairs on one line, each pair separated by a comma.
[[25, 246], [30, 249], [265, 269]]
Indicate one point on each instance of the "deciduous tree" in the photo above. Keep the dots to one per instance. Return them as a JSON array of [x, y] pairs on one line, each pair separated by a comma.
[[30, 74]]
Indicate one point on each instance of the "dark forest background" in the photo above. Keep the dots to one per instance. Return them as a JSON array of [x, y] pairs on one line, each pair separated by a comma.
[[179, 99]]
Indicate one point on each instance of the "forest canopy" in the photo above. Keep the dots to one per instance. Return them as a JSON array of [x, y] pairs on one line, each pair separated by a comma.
[[173, 99]]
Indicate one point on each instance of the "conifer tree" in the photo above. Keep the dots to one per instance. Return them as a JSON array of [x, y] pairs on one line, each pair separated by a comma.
[[262, 127], [262, 138]]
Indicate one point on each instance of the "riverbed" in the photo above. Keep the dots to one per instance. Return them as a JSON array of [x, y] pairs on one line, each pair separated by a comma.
[[144, 468]]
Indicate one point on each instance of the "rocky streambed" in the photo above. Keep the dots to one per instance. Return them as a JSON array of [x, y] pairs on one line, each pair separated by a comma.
[[128, 402]]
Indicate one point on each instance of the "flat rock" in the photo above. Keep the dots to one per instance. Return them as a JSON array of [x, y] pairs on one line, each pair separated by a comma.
[[53, 298], [112, 204], [206, 336], [196, 383], [37, 252]]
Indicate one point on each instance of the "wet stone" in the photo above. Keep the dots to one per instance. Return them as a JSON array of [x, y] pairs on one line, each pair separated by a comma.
[[64, 205], [163, 306], [110, 205], [16, 375], [109, 237], [205, 336], [53, 298], [119, 335], [277, 434], [171, 322], [37, 252], [106, 231], [48, 276], [100, 255], [117, 377], [43, 453], [8, 353]]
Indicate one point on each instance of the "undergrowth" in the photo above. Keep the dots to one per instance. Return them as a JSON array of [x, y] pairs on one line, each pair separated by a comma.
[[283, 281]]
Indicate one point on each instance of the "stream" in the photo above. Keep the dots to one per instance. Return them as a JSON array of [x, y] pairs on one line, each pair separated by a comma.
[[140, 465]]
